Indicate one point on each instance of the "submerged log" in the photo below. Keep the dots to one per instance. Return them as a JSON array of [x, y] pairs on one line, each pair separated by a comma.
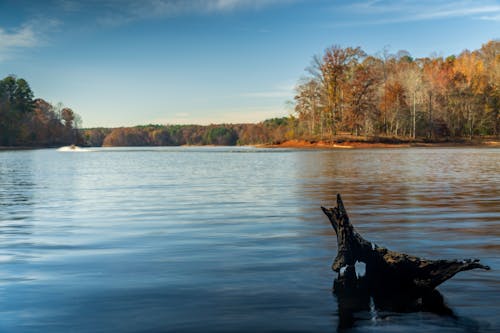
[[385, 269]]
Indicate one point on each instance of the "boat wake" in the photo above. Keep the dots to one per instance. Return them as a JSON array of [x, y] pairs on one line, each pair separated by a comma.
[[74, 149]]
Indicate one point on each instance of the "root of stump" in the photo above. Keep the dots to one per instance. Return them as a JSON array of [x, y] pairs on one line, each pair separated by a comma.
[[387, 269]]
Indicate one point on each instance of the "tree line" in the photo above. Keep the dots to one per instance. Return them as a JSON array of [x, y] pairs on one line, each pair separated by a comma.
[[348, 91], [269, 131], [26, 121], [345, 92]]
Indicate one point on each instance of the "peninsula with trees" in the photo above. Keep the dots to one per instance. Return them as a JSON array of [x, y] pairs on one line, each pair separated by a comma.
[[347, 97], [29, 122]]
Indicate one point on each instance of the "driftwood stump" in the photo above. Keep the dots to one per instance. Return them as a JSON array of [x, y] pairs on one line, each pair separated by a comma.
[[386, 270]]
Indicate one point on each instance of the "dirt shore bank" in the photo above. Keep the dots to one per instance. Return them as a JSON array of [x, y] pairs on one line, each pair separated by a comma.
[[303, 144]]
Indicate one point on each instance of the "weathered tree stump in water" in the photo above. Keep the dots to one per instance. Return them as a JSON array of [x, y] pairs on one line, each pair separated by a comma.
[[386, 270]]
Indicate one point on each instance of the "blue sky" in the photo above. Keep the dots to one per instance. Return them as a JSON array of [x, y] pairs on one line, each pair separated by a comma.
[[123, 62]]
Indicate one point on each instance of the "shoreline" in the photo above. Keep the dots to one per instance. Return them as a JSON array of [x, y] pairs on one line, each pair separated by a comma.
[[304, 144], [9, 148]]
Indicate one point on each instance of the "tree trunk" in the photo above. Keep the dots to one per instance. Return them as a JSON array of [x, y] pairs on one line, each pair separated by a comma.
[[385, 269], [414, 115], [471, 122], [431, 126]]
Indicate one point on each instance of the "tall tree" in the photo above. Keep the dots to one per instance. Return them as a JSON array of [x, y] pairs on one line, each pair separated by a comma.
[[361, 97], [337, 69], [16, 100], [490, 54]]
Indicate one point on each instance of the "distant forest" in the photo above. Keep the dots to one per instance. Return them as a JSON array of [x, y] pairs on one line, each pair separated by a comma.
[[269, 131], [345, 94]]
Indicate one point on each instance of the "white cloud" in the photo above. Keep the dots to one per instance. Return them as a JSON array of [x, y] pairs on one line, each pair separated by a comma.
[[23, 37], [218, 5], [29, 35], [380, 12], [461, 11], [491, 17], [115, 12]]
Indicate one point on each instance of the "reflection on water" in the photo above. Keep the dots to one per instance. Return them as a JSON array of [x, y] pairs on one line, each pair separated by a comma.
[[16, 200], [362, 305], [422, 193], [359, 309], [360, 301], [232, 239]]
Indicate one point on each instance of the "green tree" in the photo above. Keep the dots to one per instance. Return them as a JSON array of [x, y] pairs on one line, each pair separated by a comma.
[[16, 100], [221, 135]]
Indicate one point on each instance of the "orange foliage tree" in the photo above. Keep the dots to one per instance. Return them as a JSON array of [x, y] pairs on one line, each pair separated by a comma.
[[457, 96]]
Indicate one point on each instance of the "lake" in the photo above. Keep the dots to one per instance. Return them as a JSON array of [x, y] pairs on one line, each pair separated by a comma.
[[232, 239]]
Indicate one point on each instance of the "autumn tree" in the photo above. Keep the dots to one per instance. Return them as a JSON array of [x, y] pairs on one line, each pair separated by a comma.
[[361, 97], [396, 94], [309, 107], [411, 79], [490, 55], [336, 72]]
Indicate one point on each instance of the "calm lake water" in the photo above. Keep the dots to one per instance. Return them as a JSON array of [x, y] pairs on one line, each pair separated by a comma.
[[233, 239]]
